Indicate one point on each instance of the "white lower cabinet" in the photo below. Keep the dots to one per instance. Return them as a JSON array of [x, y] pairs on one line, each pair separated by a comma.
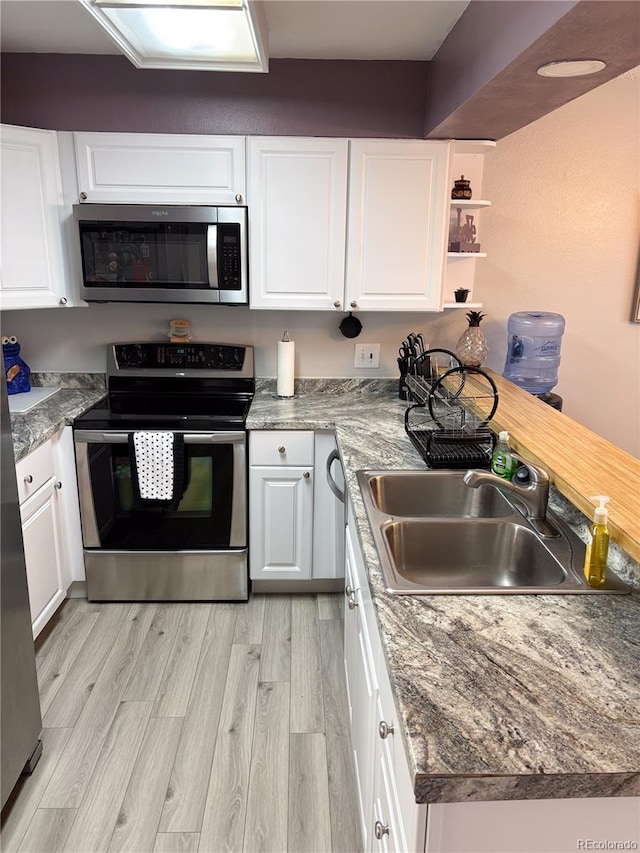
[[280, 522], [43, 553], [391, 819], [361, 690], [50, 525], [295, 529], [535, 826], [328, 509], [389, 816]]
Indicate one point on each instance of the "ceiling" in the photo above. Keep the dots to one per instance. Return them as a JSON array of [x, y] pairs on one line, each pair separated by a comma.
[[298, 29]]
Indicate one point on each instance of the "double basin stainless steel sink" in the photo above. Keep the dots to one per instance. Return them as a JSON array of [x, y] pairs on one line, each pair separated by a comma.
[[436, 535]]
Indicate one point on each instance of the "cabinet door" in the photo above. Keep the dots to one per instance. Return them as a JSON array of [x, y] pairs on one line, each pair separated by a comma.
[[397, 225], [524, 826], [328, 511], [361, 688], [386, 830], [64, 459], [43, 553], [165, 168], [280, 523], [30, 230], [297, 211]]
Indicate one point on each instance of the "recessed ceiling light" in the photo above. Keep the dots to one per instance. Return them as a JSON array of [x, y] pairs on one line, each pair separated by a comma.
[[208, 35], [571, 68]]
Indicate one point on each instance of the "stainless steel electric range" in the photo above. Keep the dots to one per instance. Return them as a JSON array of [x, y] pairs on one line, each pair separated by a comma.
[[193, 548]]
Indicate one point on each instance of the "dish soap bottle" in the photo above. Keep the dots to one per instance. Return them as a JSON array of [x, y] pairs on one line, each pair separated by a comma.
[[595, 561], [502, 462]]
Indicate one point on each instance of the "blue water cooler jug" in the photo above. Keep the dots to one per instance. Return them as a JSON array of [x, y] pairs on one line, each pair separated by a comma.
[[533, 350]]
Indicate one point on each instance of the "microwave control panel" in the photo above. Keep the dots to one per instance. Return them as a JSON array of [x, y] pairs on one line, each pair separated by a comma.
[[150, 356], [229, 256]]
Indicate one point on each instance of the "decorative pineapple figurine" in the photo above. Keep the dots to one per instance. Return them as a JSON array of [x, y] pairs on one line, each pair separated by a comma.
[[472, 347]]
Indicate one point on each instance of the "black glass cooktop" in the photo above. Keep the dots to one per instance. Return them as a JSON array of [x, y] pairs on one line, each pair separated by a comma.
[[167, 411]]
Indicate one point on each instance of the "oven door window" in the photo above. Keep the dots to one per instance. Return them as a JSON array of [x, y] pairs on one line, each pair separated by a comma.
[[140, 254], [201, 521]]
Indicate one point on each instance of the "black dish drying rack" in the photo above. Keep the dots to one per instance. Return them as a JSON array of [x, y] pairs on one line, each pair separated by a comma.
[[452, 405]]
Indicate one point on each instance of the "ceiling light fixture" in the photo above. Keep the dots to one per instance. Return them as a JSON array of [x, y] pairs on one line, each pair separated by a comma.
[[571, 68], [206, 35]]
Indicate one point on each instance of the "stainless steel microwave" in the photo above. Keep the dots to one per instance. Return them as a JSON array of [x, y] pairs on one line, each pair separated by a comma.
[[163, 253]]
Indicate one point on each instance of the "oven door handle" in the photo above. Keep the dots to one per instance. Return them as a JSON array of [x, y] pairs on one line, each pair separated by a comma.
[[90, 436]]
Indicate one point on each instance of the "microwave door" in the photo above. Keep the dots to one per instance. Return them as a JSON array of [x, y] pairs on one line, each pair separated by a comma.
[[212, 256]]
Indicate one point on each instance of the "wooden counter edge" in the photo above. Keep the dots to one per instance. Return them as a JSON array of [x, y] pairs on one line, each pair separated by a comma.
[[580, 463]]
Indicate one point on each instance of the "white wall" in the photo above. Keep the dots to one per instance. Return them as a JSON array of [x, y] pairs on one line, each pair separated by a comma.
[[70, 339], [563, 235]]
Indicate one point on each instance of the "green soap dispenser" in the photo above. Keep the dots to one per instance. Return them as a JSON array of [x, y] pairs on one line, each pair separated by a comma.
[[595, 561], [502, 462]]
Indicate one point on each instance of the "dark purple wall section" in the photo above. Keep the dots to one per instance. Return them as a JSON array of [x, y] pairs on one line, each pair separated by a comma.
[[474, 106], [296, 97], [489, 35]]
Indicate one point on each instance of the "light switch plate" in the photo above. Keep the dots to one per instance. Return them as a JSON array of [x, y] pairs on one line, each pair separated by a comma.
[[367, 355]]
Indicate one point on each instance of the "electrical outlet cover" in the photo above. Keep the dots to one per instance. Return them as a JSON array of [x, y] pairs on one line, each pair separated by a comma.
[[367, 356]]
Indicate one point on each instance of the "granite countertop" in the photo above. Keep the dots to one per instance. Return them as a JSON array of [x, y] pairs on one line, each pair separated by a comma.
[[499, 697], [76, 393]]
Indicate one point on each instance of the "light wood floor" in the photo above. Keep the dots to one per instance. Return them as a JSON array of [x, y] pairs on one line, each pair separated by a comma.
[[191, 727]]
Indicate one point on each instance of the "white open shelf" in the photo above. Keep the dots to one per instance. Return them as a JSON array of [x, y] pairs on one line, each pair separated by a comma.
[[469, 203], [466, 254], [462, 305]]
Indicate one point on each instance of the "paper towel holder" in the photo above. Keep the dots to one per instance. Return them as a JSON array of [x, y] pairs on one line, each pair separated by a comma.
[[285, 342], [350, 326]]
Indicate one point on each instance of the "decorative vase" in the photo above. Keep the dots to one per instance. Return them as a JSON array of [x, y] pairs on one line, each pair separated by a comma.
[[472, 347]]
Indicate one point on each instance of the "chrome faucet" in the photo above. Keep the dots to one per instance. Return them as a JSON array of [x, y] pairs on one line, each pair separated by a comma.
[[533, 496]]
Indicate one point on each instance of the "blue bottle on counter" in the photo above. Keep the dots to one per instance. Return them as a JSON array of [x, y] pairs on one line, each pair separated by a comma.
[[533, 350]]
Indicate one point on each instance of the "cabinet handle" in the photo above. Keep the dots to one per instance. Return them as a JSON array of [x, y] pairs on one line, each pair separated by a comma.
[[380, 830], [28, 478], [354, 304], [63, 300], [348, 590], [238, 198], [337, 303], [282, 449], [352, 603], [306, 475], [385, 729], [57, 485], [83, 196]]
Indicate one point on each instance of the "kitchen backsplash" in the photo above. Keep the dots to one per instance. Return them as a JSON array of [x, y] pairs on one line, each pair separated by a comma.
[[74, 339]]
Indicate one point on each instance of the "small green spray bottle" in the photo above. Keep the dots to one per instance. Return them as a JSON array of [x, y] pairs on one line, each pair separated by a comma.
[[595, 561]]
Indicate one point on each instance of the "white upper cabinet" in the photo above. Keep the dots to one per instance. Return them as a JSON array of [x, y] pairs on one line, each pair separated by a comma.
[[33, 272], [397, 225], [380, 204], [139, 168], [297, 217]]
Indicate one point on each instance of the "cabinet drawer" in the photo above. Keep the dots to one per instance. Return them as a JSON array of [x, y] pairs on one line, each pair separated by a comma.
[[34, 470], [281, 447]]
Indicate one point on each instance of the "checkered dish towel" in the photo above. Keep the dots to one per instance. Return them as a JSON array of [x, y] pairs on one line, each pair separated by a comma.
[[154, 454]]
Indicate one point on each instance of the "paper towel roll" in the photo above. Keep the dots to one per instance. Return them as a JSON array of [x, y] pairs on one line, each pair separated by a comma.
[[286, 371]]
